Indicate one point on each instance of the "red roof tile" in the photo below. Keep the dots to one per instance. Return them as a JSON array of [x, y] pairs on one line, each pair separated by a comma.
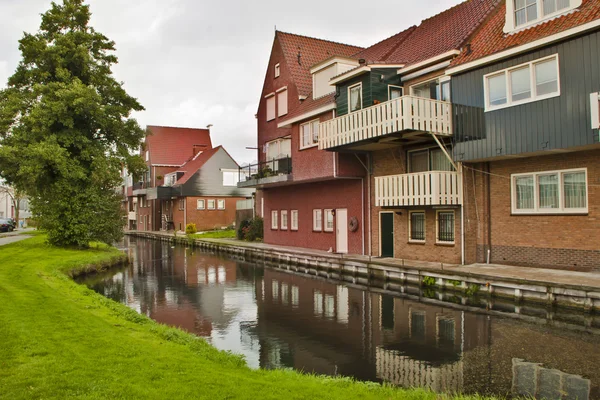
[[311, 52], [195, 164], [443, 32], [175, 146], [490, 38], [382, 50]]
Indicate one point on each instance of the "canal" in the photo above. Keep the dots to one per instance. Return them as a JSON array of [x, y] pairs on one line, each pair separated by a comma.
[[282, 319]]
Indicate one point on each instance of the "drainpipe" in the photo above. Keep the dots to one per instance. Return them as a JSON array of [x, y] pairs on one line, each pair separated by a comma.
[[489, 210], [334, 164], [362, 188], [369, 201], [462, 215]]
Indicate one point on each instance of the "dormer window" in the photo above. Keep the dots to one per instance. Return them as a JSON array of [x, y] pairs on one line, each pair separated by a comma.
[[521, 14], [277, 70]]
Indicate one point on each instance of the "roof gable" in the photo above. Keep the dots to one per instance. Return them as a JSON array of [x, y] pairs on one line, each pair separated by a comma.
[[302, 52], [382, 50], [175, 146]]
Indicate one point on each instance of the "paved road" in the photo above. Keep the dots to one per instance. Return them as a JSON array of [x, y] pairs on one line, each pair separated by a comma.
[[13, 239]]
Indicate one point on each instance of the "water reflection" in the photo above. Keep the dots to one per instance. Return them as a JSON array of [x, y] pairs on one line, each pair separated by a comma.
[[280, 319]]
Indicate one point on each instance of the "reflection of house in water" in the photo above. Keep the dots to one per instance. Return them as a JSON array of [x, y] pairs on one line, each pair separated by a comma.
[[326, 328], [533, 380]]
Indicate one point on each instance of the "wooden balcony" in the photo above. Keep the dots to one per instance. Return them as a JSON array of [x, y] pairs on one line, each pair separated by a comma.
[[399, 116], [433, 188]]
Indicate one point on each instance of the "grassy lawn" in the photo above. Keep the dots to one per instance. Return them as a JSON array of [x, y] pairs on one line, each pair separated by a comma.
[[223, 234], [62, 340]]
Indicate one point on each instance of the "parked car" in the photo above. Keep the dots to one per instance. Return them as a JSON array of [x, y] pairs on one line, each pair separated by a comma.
[[6, 225], [13, 222]]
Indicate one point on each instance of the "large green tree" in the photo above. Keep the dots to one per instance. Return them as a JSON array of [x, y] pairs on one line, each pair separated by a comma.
[[66, 128]]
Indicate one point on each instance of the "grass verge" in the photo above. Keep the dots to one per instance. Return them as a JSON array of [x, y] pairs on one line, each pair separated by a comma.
[[222, 234], [62, 340]]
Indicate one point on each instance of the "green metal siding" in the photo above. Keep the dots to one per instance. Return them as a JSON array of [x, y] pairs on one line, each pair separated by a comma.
[[373, 88], [557, 123]]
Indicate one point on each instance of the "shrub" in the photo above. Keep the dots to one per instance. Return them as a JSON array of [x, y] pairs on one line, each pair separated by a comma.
[[243, 228], [255, 230], [190, 229]]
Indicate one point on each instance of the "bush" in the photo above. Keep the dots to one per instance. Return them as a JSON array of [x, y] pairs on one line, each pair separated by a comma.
[[255, 230], [243, 228], [190, 229]]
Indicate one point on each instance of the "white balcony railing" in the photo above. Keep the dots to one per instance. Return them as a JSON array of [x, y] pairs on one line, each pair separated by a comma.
[[434, 188], [406, 113]]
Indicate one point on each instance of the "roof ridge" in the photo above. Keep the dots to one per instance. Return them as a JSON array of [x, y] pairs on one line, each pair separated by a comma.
[[481, 22], [322, 40], [413, 27], [447, 10]]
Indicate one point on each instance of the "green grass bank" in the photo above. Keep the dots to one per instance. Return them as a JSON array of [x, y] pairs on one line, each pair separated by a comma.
[[62, 340]]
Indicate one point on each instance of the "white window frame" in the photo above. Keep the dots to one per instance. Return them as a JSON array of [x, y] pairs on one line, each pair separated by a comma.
[[410, 239], [271, 97], [274, 220], [284, 220], [182, 204], [561, 201], [511, 23], [361, 97], [282, 101], [277, 70], [506, 72], [318, 212], [200, 204], [326, 213], [236, 177], [208, 204], [219, 202], [437, 227], [311, 133], [294, 220], [394, 87]]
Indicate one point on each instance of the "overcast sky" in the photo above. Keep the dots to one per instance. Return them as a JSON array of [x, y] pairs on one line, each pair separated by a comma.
[[193, 62]]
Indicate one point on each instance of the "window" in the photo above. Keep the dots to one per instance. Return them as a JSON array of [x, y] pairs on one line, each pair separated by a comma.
[[271, 107], [355, 97], [416, 227], [284, 219], [279, 148], [294, 215], [170, 179], [274, 219], [221, 204], [211, 204], [445, 226], [435, 89], [200, 204], [395, 91], [524, 83], [231, 177], [309, 134], [147, 155], [552, 192], [321, 86], [523, 13], [277, 70], [328, 220], [426, 160], [317, 220], [182, 204], [282, 102]]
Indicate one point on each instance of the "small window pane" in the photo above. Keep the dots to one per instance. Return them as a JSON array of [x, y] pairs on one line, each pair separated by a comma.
[[329, 220], [211, 204], [439, 161], [520, 84], [531, 11], [306, 141], [417, 226], [497, 90], [575, 190], [284, 219], [418, 161], [395, 93], [200, 204], [519, 4], [546, 77], [446, 226], [317, 220], [548, 191], [520, 17], [562, 4], [446, 329], [355, 98], [221, 204], [294, 220], [274, 220], [549, 6], [315, 131], [524, 189]]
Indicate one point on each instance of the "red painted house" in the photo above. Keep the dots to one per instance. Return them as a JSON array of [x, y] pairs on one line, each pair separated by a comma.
[[308, 198]]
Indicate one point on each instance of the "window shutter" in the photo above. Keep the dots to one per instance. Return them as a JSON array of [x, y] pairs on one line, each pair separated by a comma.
[[270, 108], [282, 103]]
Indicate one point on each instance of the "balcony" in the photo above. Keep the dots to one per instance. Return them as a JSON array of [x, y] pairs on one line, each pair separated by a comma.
[[269, 173], [406, 116], [140, 188], [433, 188]]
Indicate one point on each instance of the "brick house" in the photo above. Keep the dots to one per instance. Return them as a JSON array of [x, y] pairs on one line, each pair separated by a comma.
[[320, 203], [531, 166]]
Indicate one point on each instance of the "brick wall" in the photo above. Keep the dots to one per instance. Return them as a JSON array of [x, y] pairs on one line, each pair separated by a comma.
[[206, 219], [335, 194], [560, 241]]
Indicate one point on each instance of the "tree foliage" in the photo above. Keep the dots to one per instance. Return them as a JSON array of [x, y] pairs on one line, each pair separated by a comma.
[[66, 128]]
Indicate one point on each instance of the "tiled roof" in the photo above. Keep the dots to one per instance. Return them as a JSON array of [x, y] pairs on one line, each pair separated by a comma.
[[382, 50], [175, 146], [195, 164], [491, 38], [443, 32], [310, 104], [311, 51]]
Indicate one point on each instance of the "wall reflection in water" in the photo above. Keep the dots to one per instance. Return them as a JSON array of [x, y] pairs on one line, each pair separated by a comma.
[[278, 319]]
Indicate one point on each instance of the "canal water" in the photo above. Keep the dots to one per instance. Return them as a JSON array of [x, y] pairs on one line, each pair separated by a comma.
[[282, 319]]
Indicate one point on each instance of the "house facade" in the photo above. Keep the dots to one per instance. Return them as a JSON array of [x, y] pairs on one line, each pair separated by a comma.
[[531, 162]]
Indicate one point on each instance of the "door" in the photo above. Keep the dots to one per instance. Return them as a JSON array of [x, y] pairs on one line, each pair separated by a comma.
[[341, 232], [387, 234]]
